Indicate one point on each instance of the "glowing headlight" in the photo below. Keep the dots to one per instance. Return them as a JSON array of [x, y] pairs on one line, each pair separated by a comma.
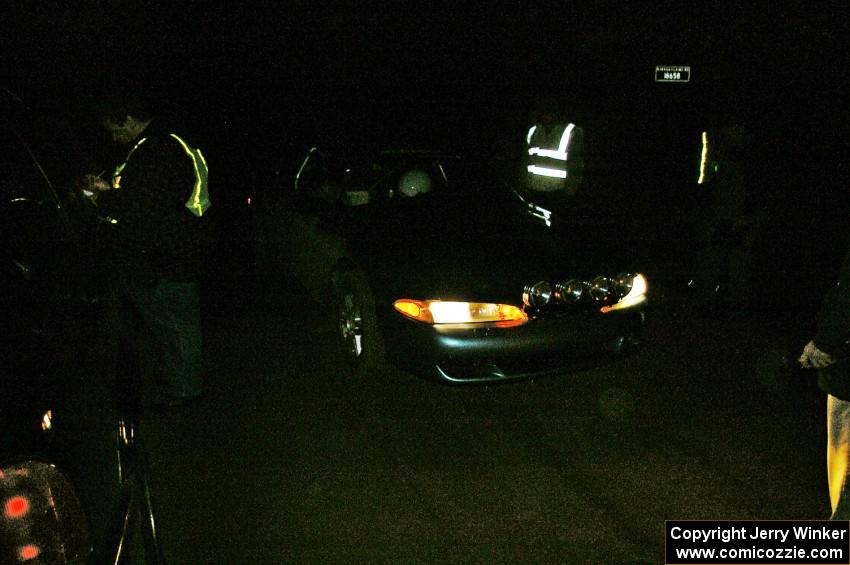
[[635, 295], [449, 312], [537, 295]]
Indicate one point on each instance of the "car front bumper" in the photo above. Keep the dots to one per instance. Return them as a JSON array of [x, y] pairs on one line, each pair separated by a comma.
[[466, 353]]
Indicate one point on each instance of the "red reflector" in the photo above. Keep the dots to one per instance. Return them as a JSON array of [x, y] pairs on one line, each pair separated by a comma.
[[28, 552], [16, 507]]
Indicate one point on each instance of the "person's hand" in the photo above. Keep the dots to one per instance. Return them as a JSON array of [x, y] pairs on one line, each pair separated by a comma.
[[814, 358], [91, 185], [94, 183]]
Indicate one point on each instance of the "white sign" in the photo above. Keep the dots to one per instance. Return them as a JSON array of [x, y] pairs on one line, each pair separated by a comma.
[[672, 74]]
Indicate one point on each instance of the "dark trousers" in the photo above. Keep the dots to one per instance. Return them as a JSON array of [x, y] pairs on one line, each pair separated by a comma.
[[165, 321]]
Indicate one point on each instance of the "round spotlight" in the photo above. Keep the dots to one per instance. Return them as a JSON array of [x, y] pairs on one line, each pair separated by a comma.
[[537, 295], [600, 288], [570, 291], [623, 284]]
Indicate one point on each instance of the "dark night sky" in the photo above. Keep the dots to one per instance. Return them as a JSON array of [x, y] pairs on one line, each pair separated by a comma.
[[426, 51], [274, 71]]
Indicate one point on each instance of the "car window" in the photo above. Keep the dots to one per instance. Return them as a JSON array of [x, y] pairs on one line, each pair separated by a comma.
[[406, 178], [318, 180], [312, 174], [390, 179]]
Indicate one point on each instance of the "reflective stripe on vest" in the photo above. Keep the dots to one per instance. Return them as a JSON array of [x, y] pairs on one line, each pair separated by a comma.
[[116, 176], [547, 172], [561, 152], [199, 201], [707, 167]]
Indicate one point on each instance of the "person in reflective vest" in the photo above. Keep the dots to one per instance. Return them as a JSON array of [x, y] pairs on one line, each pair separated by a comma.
[[555, 160], [155, 212], [730, 220]]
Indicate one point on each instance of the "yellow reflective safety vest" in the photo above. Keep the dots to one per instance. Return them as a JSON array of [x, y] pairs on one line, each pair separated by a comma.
[[199, 199]]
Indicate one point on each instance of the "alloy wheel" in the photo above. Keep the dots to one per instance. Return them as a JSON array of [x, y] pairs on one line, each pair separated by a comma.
[[351, 326]]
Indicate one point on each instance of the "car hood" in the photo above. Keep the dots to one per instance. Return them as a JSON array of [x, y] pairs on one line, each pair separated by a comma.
[[472, 249]]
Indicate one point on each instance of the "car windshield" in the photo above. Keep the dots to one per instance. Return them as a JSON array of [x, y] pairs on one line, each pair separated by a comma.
[[413, 179]]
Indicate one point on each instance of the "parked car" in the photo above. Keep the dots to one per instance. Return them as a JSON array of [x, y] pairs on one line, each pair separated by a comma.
[[432, 265], [73, 476]]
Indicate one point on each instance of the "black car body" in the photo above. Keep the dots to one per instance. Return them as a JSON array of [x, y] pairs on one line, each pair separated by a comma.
[[392, 264], [73, 478]]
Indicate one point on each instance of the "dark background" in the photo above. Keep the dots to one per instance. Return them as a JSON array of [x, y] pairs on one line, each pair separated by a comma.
[[258, 82], [274, 72], [288, 457]]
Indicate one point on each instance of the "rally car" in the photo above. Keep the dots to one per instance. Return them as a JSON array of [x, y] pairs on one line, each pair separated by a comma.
[[441, 270]]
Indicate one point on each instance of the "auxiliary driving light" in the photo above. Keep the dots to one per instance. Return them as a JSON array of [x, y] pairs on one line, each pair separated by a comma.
[[600, 288], [537, 295], [623, 284], [570, 291], [636, 295]]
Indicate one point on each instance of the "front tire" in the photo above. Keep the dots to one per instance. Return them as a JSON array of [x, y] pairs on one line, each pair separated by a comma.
[[358, 333]]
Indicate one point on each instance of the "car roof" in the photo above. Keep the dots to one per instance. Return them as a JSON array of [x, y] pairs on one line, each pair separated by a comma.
[[350, 152], [423, 153]]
